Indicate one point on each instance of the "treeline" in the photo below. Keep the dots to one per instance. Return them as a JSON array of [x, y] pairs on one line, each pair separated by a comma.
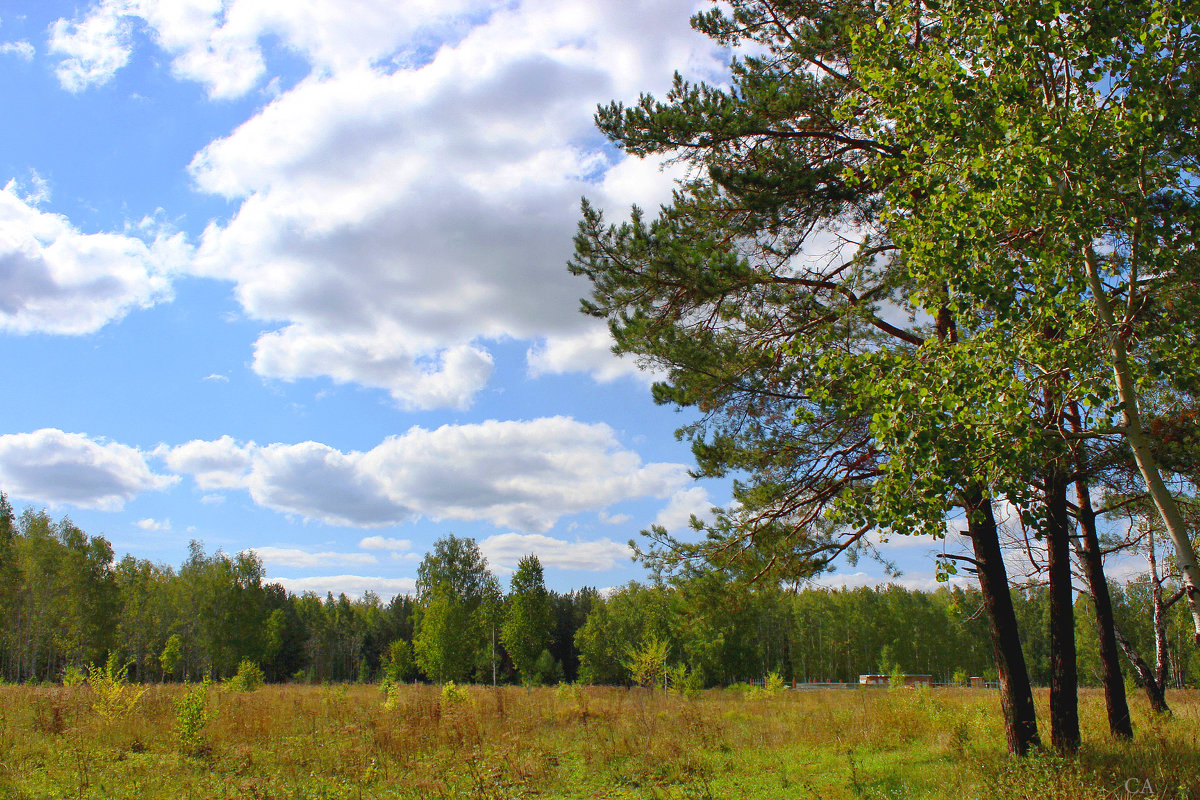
[[66, 603], [731, 633]]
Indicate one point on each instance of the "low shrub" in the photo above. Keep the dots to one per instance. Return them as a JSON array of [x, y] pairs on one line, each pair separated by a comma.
[[453, 694], [191, 715], [114, 696], [248, 678]]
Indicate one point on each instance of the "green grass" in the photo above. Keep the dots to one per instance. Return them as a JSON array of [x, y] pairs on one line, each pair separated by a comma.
[[341, 742]]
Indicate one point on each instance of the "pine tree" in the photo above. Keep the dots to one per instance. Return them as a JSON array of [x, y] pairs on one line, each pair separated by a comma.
[[770, 294]]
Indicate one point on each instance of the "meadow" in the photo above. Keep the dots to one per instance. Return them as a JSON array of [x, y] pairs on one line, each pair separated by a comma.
[[347, 741]]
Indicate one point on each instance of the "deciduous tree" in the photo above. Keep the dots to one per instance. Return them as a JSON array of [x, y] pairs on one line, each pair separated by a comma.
[[527, 619]]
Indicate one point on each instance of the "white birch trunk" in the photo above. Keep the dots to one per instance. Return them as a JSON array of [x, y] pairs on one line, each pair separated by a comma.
[[1142, 453]]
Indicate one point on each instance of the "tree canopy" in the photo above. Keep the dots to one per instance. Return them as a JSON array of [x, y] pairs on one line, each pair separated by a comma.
[[888, 282]]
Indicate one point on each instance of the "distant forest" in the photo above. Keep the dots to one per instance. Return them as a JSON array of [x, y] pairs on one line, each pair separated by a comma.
[[66, 604]]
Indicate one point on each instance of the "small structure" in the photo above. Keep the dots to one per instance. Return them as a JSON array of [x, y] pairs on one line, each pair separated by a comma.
[[977, 682], [885, 680]]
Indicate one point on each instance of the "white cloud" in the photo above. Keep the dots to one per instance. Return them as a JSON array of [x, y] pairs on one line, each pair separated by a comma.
[[22, 50], [448, 378], [384, 543], [354, 586], [218, 43], [506, 549], [953, 541], [36, 194], [293, 557], [613, 519], [150, 524], [590, 351], [923, 582], [522, 475], [398, 205], [395, 221], [54, 467], [1124, 566], [214, 44], [216, 378], [319, 482], [219, 464], [94, 47], [55, 279], [677, 514]]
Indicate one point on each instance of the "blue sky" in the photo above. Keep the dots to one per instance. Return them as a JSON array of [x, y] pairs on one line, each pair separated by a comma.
[[291, 277]]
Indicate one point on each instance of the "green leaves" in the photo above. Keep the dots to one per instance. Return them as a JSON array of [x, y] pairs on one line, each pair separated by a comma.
[[527, 623], [962, 155]]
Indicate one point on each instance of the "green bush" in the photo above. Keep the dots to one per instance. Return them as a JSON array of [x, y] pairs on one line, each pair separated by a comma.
[[647, 663], [684, 681], [114, 696], [73, 676], [248, 678], [453, 694], [391, 693], [191, 715], [772, 685]]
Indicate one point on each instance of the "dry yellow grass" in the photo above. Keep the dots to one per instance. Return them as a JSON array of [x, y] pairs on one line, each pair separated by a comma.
[[342, 742]]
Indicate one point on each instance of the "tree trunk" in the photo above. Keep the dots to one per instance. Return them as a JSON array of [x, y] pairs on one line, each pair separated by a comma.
[[1154, 690], [1168, 509], [1116, 703], [1119, 723], [1016, 696], [1160, 615], [1064, 678]]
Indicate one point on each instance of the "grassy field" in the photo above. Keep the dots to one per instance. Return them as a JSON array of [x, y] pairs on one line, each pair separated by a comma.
[[343, 742]]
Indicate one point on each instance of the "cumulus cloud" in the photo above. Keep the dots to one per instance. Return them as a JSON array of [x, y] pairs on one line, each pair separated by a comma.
[[392, 221], [353, 586], [317, 481], [54, 467], [397, 205], [295, 557], [449, 378], [92, 48], [677, 514], [150, 524], [219, 464], [219, 44], [521, 475], [507, 549], [384, 543], [953, 541], [922, 582], [55, 279], [590, 351], [22, 50]]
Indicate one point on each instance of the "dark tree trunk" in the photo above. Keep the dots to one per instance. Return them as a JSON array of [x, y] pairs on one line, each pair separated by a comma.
[[1064, 678], [1154, 690], [1016, 696], [1115, 702], [1063, 672]]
